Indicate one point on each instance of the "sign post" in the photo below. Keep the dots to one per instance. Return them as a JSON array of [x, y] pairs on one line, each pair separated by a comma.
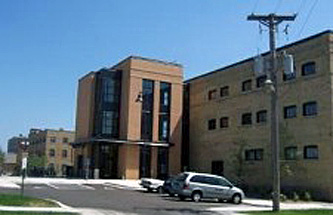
[[23, 170]]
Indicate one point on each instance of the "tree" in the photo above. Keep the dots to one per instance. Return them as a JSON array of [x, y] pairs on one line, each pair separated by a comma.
[[2, 160], [36, 165]]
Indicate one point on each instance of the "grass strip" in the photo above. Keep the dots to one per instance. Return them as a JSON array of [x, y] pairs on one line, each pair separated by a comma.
[[26, 201]]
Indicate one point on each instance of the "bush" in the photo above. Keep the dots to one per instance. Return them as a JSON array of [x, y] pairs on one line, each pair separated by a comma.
[[295, 197], [307, 196], [283, 197]]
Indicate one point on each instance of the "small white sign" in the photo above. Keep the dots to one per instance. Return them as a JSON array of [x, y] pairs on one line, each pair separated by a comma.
[[24, 163]]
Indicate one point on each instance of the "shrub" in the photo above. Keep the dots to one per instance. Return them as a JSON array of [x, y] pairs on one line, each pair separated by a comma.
[[307, 196], [295, 197]]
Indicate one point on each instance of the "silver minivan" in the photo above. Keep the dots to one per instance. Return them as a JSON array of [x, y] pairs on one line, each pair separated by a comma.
[[199, 185]]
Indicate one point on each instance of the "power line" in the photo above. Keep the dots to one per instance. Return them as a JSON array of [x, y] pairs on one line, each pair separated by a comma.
[[255, 6], [277, 6], [301, 6], [308, 17]]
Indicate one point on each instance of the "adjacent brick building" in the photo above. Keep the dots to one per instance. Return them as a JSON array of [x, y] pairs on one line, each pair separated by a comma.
[[228, 121], [128, 122], [54, 147]]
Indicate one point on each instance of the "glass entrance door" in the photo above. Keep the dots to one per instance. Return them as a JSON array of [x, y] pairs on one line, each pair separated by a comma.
[[145, 160], [108, 160]]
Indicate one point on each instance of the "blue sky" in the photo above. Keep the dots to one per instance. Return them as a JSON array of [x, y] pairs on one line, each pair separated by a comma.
[[46, 45]]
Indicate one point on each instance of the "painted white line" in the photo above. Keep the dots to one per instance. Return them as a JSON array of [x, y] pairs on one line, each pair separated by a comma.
[[52, 186]]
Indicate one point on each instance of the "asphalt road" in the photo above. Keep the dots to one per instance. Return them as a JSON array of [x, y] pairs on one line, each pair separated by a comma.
[[102, 197]]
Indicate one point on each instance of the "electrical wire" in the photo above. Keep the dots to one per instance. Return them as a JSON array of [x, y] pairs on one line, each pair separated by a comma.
[[308, 17], [277, 6], [255, 6]]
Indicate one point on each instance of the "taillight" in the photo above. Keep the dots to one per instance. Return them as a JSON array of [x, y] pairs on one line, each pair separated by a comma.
[[185, 187]]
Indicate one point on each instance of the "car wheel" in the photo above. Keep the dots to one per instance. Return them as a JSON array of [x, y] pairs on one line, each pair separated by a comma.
[[196, 196], [160, 190], [236, 199]]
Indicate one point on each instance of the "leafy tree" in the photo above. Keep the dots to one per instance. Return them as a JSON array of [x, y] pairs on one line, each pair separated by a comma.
[[36, 165], [2, 160]]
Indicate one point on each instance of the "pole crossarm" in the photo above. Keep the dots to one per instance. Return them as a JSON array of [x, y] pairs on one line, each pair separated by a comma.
[[272, 16]]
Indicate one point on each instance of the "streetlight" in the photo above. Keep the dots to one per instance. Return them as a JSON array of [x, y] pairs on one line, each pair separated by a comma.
[[24, 146]]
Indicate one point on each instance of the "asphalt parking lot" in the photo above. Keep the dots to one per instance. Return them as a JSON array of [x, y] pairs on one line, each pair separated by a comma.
[[121, 199]]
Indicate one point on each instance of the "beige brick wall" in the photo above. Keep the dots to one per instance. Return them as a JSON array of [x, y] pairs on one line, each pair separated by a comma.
[[221, 143]]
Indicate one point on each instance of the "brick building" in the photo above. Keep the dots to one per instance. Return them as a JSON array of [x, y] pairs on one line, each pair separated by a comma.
[[228, 121], [128, 122], [54, 147]]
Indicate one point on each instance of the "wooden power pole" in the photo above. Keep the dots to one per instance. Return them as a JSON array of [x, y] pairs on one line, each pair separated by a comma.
[[272, 21]]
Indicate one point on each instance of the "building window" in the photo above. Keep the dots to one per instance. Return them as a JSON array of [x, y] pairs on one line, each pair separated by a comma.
[[164, 114], [261, 81], [311, 152], [211, 124], [247, 119], [247, 85], [290, 153], [52, 152], [164, 127], [147, 109], [65, 140], [224, 91], [224, 122], [53, 139], [309, 68], [64, 153], [109, 92], [262, 116], [254, 154], [212, 94], [288, 77], [290, 112], [310, 109]]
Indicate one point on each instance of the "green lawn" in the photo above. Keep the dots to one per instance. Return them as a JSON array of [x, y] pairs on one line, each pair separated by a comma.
[[18, 200], [299, 212]]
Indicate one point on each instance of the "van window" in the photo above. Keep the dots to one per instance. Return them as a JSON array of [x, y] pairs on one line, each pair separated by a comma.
[[181, 177], [198, 179]]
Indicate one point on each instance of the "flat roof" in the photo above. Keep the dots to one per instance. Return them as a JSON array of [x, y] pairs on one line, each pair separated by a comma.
[[251, 58]]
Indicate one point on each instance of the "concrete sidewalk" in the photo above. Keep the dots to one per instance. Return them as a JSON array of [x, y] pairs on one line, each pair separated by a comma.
[[14, 182]]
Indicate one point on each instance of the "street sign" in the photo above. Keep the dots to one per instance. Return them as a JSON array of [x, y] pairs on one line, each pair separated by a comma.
[[24, 163]]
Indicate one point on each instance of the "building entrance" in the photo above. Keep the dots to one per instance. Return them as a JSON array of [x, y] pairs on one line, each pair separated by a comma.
[[218, 167], [108, 161], [145, 160]]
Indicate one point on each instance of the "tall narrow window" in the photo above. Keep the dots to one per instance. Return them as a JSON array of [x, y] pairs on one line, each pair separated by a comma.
[[211, 124], [147, 109], [107, 104], [164, 112]]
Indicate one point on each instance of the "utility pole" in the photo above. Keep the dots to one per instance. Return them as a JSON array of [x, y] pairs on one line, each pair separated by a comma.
[[272, 21]]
